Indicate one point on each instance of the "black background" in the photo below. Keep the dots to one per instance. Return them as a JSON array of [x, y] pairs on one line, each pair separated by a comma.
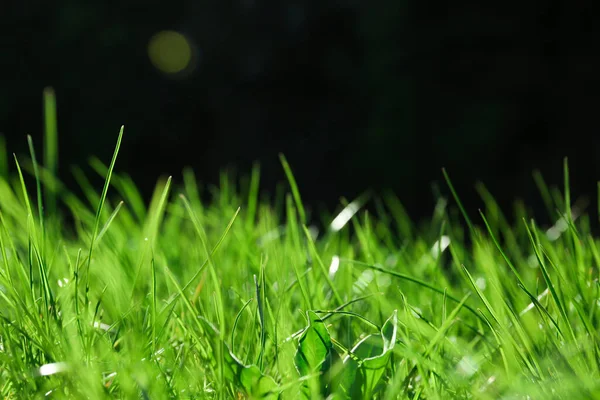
[[356, 94]]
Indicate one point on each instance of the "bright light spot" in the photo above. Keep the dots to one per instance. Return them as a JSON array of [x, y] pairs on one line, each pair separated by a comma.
[[532, 261], [383, 280], [561, 226], [553, 233], [107, 379], [391, 260], [467, 366], [170, 52], [416, 312], [342, 219], [531, 305], [51, 369], [363, 281], [490, 380], [314, 232], [480, 282], [270, 236], [333, 267], [63, 282], [440, 245], [100, 325]]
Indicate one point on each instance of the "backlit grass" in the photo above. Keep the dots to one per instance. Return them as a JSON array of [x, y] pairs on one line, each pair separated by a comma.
[[251, 297]]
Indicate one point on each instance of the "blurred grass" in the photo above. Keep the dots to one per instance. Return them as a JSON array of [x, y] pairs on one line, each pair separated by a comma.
[[182, 299]]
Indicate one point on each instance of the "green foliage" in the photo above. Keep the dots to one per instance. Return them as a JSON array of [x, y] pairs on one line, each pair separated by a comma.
[[360, 371], [315, 351], [182, 299]]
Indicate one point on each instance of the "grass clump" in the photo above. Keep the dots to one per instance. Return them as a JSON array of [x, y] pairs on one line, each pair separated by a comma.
[[234, 299]]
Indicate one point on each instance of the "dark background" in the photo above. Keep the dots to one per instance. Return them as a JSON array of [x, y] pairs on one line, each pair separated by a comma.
[[357, 94]]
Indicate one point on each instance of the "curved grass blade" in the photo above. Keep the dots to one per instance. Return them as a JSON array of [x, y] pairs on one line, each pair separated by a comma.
[[294, 187], [38, 186], [417, 281], [313, 248], [549, 283], [458, 202], [99, 212], [235, 322], [204, 264], [375, 352]]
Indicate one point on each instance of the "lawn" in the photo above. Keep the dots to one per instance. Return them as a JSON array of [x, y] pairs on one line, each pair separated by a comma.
[[251, 296]]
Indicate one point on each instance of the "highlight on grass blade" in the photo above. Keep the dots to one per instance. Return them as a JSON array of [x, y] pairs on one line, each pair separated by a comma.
[[100, 209], [51, 369], [294, 187], [348, 212], [50, 145], [458, 202]]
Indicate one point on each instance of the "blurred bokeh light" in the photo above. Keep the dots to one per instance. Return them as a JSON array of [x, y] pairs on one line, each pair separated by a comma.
[[171, 52]]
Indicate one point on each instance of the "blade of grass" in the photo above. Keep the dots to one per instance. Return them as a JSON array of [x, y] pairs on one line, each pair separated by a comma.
[[204, 264], [561, 308], [414, 280], [50, 145], [216, 283], [311, 244], [99, 213], [38, 185], [235, 323], [253, 196], [294, 187], [510, 264], [459, 203]]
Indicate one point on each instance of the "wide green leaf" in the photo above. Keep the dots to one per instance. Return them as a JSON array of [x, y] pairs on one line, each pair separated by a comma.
[[373, 354], [249, 378], [315, 353]]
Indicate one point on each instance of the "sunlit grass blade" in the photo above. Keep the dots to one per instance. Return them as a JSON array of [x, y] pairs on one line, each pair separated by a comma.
[[109, 221], [330, 283], [416, 281], [40, 203], [253, 196], [216, 283], [559, 303], [50, 145], [236, 321], [294, 186], [260, 305], [205, 263], [458, 202], [504, 256], [99, 212]]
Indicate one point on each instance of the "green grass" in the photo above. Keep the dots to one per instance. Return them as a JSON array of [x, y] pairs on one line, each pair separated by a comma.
[[235, 299]]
